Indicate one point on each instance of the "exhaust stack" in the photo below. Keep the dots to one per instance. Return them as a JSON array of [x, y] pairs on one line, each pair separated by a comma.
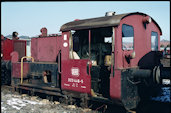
[[110, 13]]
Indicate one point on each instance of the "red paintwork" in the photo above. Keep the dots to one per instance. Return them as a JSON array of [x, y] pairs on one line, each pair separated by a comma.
[[2, 37], [65, 50], [82, 83], [79, 83], [76, 19], [20, 47], [14, 57], [16, 70], [45, 49], [142, 40], [9, 46], [142, 45], [115, 85]]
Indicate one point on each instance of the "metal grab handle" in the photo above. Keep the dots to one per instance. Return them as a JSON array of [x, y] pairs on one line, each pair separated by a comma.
[[59, 62], [22, 66], [89, 65]]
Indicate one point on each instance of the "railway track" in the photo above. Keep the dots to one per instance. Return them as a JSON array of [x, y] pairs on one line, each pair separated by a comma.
[[144, 107], [13, 102], [95, 108], [7, 87]]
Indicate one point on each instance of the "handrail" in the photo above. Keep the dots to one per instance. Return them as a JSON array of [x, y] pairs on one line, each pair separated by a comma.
[[22, 66], [59, 62]]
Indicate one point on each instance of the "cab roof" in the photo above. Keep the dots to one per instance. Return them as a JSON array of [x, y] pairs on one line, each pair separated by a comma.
[[105, 21]]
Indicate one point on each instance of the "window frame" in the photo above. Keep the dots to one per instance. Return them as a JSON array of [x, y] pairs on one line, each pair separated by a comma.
[[133, 38], [155, 43]]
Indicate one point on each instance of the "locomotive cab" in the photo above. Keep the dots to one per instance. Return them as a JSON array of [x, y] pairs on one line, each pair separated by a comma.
[[110, 57], [96, 46]]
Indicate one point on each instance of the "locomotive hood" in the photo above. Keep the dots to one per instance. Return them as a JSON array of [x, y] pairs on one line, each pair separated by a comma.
[[99, 22]]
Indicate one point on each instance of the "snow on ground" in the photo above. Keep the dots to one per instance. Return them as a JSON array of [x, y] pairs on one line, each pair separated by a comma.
[[12, 102], [15, 103]]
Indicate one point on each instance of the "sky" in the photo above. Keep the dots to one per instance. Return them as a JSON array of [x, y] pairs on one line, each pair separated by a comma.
[[27, 18]]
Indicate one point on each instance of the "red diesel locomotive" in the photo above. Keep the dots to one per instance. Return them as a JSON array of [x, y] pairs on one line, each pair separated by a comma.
[[110, 59]]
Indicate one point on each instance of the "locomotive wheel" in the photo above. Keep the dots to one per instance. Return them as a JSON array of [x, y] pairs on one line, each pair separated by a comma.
[[5, 73], [84, 101], [5, 77], [20, 91], [31, 93], [49, 97], [63, 100], [71, 101], [2, 77], [84, 105]]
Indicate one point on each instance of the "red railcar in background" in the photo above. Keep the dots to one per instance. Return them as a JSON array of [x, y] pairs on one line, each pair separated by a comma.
[[10, 47]]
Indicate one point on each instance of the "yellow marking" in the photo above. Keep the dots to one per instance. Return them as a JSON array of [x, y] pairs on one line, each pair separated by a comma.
[[22, 66]]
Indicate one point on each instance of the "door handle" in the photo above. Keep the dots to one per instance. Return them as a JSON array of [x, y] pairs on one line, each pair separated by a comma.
[[89, 64]]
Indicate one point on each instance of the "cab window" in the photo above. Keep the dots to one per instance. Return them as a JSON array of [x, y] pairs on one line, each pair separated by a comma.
[[154, 41], [127, 37]]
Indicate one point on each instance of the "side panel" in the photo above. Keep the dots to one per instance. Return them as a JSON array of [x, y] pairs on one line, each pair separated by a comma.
[[74, 75], [16, 69], [120, 86], [129, 91], [115, 77], [142, 40], [36, 70], [20, 47], [115, 85], [45, 49], [34, 50], [7, 48]]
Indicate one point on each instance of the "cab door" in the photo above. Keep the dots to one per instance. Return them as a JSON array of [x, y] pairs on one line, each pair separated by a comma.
[[115, 77], [74, 70], [127, 44]]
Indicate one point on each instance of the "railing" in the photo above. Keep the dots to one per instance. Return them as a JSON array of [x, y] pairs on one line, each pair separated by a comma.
[[22, 66]]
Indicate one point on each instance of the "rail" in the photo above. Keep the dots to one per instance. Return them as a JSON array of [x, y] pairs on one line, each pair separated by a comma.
[[22, 66]]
